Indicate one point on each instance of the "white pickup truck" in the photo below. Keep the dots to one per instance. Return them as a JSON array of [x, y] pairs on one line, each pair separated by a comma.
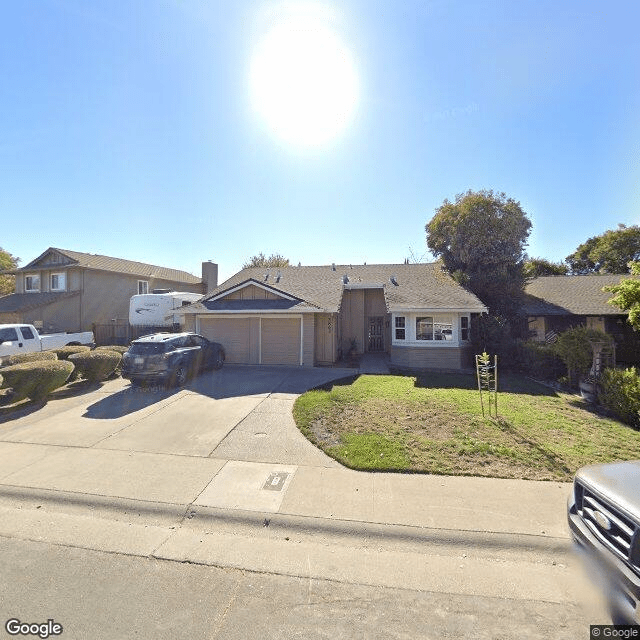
[[24, 338]]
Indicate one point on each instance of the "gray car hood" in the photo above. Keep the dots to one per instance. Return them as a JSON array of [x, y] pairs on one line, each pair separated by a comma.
[[618, 482]]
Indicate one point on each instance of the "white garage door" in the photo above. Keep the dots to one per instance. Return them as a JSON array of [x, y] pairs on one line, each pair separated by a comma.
[[281, 341], [234, 334]]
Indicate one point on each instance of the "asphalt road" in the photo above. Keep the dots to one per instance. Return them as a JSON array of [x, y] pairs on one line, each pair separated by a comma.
[[103, 596]]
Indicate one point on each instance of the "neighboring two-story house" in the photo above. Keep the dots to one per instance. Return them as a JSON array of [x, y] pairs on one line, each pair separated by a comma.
[[65, 290]]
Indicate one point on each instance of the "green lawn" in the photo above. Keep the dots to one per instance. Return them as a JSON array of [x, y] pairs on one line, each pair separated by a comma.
[[433, 424]]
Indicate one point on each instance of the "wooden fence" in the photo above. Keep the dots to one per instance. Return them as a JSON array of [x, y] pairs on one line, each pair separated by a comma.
[[122, 333]]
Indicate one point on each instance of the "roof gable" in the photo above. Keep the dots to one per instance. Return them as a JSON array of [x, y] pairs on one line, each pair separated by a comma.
[[252, 290], [50, 258]]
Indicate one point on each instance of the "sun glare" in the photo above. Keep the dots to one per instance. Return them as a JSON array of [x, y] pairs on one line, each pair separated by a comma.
[[303, 83]]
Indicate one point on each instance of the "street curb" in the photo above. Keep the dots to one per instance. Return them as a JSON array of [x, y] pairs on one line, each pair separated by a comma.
[[202, 517]]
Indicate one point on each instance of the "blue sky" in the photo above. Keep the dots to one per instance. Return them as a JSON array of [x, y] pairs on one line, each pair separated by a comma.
[[128, 128]]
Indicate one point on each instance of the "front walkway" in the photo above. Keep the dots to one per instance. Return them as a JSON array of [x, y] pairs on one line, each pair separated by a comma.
[[374, 363]]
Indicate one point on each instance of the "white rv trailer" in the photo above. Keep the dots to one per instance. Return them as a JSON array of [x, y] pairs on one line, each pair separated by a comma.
[[157, 309]]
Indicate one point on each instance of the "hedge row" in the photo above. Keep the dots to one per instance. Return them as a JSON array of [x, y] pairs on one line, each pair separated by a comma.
[[36, 375], [96, 366], [36, 356], [35, 380]]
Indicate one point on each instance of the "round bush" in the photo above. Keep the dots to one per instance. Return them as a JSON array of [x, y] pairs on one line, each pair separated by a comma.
[[36, 356], [63, 353], [97, 365], [118, 348], [35, 380]]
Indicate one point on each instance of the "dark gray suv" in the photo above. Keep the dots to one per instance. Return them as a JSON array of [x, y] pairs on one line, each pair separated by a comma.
[[170, 358], [604, 518]]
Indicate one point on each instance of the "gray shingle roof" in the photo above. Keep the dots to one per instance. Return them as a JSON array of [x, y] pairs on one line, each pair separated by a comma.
[[575, 295], [419, 286], [16, 302], [117, 265]]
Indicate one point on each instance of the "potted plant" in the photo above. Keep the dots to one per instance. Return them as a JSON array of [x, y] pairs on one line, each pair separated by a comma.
[[352, 353], [587, 387]]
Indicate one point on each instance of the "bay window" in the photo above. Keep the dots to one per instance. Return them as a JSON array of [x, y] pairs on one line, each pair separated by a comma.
[[438, 329], [464, 327], [424, 328]]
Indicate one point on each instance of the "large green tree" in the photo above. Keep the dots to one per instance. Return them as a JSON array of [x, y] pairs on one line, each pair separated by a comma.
[[626, 295], [274, 260], [481, 239], [536, 267], [7, 282], [610, 252]]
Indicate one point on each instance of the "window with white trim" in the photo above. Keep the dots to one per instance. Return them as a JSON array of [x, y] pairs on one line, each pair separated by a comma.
[[424, 328], [143, 287], [464, 328], [32, 282], [58, 281], [400, 328]]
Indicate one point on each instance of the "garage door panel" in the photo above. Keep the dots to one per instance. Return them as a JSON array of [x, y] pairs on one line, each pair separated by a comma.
[[281, 341], [234, 334]]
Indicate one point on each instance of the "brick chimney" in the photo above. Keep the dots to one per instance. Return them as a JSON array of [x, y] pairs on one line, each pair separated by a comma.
[[209, 276]]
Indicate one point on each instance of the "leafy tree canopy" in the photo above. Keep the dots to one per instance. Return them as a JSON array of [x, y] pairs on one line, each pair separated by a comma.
[[610, 252], [627, 295], [481, 239], [274, 260], [7, 282], [536, 267]]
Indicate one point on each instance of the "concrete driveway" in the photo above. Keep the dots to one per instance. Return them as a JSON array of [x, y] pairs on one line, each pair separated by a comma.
[[238, 413]]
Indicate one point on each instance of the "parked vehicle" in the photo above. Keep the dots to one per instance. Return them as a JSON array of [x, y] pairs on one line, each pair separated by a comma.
[[604, 518], [157, 309], [170, 358], [24, 338]]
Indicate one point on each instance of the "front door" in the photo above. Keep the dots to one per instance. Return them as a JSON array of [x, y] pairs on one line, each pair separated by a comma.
[[376, 333]]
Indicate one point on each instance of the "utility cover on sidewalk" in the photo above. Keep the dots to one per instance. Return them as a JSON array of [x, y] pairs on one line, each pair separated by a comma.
[[275, 481], [250, 486]]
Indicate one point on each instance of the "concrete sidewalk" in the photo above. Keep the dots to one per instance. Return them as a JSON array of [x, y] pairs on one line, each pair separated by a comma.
[[332, 493]]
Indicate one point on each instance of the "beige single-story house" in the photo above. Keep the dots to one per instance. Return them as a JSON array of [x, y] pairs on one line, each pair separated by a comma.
[[314, 315], [64, 290], [553, 304]]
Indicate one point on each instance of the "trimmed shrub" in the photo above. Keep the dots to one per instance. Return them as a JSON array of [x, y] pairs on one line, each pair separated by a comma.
[[539, 360], [35, 380], [63, 353], [36, 356], [619, 391], [97, 365], [118, 348]]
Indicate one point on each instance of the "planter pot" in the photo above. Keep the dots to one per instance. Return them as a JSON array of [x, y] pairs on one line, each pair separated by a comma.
[[588, 391]]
